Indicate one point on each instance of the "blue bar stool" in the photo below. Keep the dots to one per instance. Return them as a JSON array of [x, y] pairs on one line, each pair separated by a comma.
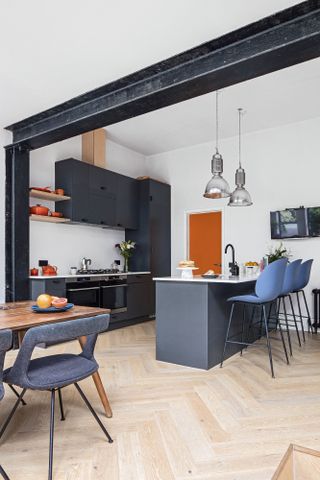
[[290, 280], [268, 287], [302, 280]]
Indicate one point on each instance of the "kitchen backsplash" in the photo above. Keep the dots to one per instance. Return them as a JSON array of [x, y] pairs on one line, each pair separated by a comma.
[[65, 245]]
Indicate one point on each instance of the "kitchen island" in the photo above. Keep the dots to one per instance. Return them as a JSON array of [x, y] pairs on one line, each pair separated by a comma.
[[192, 318]]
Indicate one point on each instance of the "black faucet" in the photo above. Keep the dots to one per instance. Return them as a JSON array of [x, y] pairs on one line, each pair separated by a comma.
[[234, 268]]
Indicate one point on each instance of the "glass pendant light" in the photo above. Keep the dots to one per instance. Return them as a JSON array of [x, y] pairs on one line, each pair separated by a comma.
[[217, 187], [240, 197]]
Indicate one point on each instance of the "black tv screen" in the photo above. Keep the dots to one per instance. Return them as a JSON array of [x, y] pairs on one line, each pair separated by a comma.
[[289, 223], [313, 216]]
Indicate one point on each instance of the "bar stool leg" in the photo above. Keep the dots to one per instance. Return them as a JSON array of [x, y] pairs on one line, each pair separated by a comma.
[[250, 324], [227, 334], [300, 315], [242, 326], [307, 308], [287, 325], [281, 332], [267, 337], [295, 321]]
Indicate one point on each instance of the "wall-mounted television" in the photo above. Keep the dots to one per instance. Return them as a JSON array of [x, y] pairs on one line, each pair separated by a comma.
[[295, 223], [289, 223], [313, 218]]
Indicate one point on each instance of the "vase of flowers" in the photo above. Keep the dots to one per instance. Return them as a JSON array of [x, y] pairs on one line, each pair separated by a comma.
[[279, 251], [126, 250]]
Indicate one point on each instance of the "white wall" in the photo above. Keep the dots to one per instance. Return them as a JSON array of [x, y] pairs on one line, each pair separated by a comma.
[[283, 170], [65, 245]]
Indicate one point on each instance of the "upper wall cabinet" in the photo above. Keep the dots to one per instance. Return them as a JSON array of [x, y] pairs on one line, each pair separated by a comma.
[[98, 196], [127, 202]]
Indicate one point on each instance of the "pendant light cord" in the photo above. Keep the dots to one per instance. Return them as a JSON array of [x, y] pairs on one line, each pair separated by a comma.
[[239, 120], [217, 123]]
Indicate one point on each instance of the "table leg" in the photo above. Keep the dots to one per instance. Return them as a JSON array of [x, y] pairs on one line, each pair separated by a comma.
[[99, 386]]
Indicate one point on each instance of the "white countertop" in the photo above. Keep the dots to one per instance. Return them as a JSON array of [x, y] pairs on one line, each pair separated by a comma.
[[199, 279], [45, 277]]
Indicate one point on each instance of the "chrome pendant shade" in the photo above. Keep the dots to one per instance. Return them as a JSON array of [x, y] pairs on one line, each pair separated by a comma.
[[217, 187], [240, 197]]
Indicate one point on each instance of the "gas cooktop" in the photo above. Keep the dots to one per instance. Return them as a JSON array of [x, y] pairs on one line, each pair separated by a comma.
[[100, 271]]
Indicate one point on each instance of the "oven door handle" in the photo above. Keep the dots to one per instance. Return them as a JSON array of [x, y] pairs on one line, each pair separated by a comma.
[[82, 289], [114, 286]]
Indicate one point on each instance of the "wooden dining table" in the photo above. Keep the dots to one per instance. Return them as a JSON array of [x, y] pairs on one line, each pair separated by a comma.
[[19, 317]]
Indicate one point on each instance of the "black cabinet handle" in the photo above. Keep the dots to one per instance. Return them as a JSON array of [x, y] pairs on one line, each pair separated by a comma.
[[84, 220], [102, 187], [55, 281], [119, 225], [102, 222]]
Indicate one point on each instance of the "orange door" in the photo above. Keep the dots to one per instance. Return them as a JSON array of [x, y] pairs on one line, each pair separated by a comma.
[[205, 241]]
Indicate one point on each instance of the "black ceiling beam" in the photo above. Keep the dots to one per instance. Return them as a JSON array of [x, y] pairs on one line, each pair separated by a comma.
[[275, 42]]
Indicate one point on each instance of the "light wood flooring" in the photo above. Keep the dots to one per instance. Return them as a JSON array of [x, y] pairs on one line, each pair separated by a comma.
[[171, 422]]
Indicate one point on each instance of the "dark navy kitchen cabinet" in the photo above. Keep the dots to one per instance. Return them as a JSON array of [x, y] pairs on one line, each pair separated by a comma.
[[127, 202], [73, 177], [52, 286], [153, 237], [140, 298], [98, 196]]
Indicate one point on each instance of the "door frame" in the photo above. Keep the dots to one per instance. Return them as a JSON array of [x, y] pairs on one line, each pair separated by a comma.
[[186, 230]]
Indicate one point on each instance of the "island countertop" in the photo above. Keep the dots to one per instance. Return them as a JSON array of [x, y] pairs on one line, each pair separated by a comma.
[[200, 279]]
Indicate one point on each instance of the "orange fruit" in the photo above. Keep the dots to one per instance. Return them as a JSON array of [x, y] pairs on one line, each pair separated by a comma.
[[59, 302], [44, 300]]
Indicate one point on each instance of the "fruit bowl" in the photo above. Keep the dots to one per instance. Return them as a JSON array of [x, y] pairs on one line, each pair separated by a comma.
[[37, 309]]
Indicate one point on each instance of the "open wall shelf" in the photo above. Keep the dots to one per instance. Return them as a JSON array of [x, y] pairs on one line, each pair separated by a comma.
[[47, 196], [45, 218]]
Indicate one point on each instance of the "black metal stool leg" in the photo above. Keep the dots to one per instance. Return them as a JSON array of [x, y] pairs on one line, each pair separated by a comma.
[[300, 315], [278, 323], [53, 397], [307, 308], [268, 341], [227, 335], [287, 325], [242, 327], [3, 474], [250, 324], [15, 406], [17, 394], [86, 401], [62, 416], [295, 320]]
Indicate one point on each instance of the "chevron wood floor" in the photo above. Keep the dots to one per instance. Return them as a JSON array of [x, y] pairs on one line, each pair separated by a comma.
[[171, 422]]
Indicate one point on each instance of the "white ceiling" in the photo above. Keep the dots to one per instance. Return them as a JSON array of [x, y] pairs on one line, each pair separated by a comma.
[[287, 96], [52, 51]]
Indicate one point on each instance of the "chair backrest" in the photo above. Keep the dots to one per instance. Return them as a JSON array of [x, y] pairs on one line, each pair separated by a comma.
[[290, 277], [59, 332], [303, 275], [270, 282], [5, 344]]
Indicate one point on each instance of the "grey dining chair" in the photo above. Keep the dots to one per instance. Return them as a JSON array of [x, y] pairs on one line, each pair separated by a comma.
[[54, 372], [5, 345]]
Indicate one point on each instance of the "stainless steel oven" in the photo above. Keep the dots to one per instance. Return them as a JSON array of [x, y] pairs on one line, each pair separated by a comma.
[[84, 291], [114, 293]]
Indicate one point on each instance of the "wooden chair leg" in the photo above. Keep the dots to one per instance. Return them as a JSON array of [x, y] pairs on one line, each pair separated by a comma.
[[99, 386], [102, 394]]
